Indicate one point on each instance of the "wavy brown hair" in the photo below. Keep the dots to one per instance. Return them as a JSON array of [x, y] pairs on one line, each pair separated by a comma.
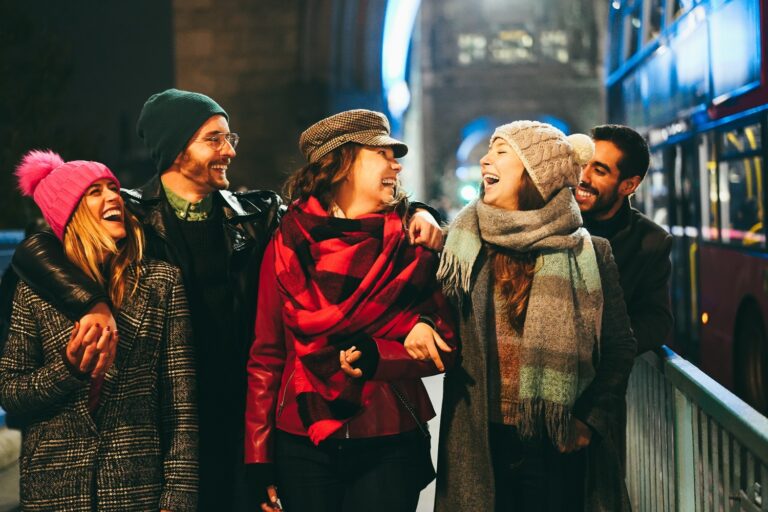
[[513, 271], [323, 178], [91, 248]]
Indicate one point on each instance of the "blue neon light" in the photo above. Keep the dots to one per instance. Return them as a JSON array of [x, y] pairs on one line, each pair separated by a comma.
[[399, 19]]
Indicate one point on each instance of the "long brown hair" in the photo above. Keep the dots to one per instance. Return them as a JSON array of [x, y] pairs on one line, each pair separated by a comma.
[[91, 248], [513, 271], [323, 178]]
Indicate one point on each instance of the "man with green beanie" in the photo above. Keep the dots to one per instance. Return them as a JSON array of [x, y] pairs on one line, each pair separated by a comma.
[[217, 238]]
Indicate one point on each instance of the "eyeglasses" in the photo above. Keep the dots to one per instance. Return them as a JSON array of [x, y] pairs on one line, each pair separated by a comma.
[[217, 141]]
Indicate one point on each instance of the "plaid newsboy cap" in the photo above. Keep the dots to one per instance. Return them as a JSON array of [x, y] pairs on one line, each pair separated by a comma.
[[362, 126]]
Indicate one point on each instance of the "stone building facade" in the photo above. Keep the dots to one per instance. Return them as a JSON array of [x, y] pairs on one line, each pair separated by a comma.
[[489, 62]]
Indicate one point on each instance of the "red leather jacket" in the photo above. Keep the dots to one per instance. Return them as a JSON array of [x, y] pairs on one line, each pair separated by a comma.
[[271, 400]]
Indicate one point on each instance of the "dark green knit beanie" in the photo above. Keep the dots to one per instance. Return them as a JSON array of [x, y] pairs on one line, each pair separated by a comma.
[[168, 121]]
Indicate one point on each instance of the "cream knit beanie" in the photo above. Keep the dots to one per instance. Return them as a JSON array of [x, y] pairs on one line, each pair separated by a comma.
[[553, 160]]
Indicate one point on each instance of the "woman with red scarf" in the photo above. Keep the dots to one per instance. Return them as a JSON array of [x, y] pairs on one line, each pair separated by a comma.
[[335, 403]]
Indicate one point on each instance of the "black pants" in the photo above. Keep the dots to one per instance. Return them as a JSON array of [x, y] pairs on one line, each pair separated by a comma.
[[222, 484], [381, 474], [533, 476]]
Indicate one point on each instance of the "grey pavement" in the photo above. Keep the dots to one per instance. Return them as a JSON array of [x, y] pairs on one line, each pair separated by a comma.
[[435, 389]]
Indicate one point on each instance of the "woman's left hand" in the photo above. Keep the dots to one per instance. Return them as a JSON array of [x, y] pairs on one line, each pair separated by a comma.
[[274, 504], [423, 342], [579, 436], [347, 358], [424, 230]]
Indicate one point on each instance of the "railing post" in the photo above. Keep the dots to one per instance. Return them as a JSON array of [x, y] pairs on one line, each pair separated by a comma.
[[684, 454]]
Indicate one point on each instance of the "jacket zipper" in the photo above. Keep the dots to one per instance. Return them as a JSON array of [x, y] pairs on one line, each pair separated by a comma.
[[285, 392]]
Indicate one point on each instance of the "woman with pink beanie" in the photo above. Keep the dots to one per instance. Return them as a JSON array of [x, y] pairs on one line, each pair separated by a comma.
[[109, 422]]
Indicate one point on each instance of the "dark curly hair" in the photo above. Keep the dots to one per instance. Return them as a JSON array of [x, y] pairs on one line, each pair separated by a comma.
[[323, 178], [635, 157]]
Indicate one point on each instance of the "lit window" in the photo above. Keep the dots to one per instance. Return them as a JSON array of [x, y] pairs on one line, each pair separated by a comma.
[[511, 47], [472, 48]]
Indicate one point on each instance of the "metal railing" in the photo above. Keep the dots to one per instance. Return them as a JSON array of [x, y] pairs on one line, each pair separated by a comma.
[[8, 242], [692, 445]]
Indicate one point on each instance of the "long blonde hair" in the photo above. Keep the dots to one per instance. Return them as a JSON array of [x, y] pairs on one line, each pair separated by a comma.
[[89, 246]]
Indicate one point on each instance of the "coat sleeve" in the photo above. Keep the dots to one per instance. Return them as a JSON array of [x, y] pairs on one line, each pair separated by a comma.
[[394, 362], [599, 403], [178, 409], [649, 308], [30, 385], [265, 365], [41, 263]]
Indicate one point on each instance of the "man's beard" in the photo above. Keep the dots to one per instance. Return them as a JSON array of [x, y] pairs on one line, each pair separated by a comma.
[[603, 203]]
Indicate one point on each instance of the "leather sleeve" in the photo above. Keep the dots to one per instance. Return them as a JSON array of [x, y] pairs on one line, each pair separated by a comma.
[[263, 201], [40, 262], [265, 366], [394, 362], [416, 205]]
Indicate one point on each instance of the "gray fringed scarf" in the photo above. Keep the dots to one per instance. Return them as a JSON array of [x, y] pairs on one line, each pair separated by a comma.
[[562, 324]]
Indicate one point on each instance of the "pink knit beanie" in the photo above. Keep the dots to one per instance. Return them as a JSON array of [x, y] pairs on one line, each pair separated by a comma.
[[57, 186]]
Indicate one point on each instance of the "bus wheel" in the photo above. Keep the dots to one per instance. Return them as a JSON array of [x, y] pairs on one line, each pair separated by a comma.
[[751, 371]]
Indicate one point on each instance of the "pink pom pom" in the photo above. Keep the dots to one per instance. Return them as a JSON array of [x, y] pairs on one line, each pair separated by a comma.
[[35, 166]]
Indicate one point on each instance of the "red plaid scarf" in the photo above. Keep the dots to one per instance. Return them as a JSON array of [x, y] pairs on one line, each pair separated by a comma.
[[346, 282]]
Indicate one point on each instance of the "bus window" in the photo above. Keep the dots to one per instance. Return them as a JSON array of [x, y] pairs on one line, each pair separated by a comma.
[[741, 196], [615, 31], [679, 7], [632, 25], [655, 15], [742, 215], [741, 140], [708, 187], [652, 196], [681, 159]]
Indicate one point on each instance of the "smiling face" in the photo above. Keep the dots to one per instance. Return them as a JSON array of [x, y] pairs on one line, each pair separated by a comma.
[[202, 166], [601, 191], [371, 182], [103, 201], [502, 171]]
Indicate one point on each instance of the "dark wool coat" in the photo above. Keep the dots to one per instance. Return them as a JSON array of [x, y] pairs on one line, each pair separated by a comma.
[[138, 451], [464, 476], [641, 249]]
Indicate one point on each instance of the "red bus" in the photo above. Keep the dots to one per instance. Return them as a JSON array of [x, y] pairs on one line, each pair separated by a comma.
[[691, 76]]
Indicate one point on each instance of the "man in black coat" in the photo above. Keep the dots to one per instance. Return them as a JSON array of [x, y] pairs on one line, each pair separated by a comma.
[[640, 246]]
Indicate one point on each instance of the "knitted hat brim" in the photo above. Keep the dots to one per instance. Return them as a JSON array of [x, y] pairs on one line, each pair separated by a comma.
[[521, 155]]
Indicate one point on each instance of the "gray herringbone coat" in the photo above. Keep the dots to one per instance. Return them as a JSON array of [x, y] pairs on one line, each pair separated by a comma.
[[139, 450]]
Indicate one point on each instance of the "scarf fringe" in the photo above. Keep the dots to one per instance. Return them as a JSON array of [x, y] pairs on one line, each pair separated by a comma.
[[455, 274], [534, 417]]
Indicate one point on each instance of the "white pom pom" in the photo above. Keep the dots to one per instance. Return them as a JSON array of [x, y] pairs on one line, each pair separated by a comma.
[[583, 147]]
